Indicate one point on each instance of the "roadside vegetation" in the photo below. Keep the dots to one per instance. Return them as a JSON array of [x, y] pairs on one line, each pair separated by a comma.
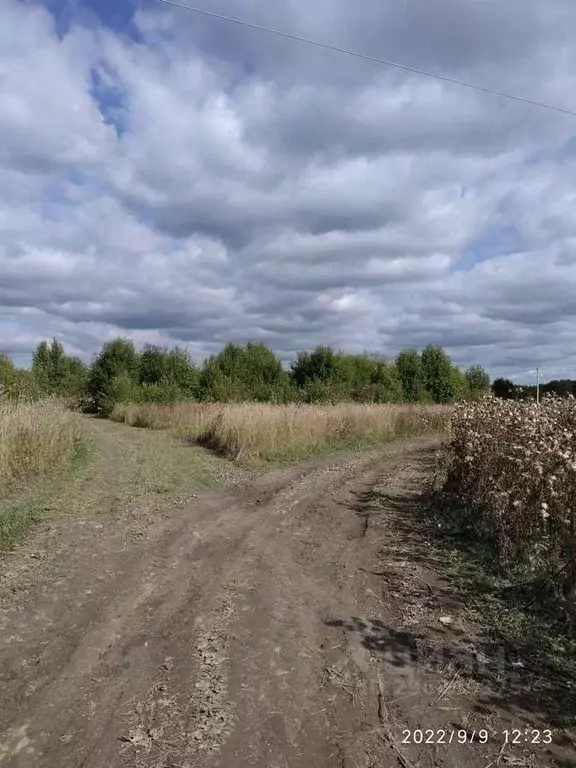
[[238, 374], [35, 438], [513, 465], [264, 432], [244, 403], [503, 511], [504, 502]]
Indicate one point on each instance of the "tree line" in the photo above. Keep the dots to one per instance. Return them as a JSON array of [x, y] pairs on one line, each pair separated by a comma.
[[507, 390], [238, 373]]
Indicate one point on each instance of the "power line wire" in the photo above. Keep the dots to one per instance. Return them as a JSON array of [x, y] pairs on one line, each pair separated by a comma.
[[367, 57]]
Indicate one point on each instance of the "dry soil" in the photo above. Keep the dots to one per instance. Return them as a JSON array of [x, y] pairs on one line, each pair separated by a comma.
[[297, 618]]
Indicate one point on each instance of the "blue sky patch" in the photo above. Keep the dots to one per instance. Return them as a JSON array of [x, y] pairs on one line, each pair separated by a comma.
[[494, 241], [109, 97]]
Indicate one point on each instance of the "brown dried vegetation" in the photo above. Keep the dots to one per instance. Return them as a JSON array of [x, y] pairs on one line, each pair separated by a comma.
[[262, 432], [512, 465]]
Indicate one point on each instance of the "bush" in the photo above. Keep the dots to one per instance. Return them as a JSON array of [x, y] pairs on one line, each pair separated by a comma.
[[113, 375]]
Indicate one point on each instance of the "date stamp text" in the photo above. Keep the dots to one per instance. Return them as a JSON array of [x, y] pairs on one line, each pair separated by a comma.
[[518, 737]]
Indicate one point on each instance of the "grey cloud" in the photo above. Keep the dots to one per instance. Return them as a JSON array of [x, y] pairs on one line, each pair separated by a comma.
[[262, 189], [444, 35], [32, 107]]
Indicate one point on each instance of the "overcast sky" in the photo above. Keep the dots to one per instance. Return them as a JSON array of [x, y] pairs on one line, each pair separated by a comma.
[[178, 179]]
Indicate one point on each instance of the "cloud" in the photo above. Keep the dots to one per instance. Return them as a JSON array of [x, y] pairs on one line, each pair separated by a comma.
[[180, 179]]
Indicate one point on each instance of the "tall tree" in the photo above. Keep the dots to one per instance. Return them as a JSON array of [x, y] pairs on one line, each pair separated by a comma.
[[55, 372], [561, 387], [437, 374], [7, 374], [409, 366], [354, 371], [460, 385], [117, 360], [221, 376], [181, 372], [17, 383], [240, 373], [152, 364], [478, 380], [319, 365], [387, 383], [504, 389], [76, 377], [264, 376]]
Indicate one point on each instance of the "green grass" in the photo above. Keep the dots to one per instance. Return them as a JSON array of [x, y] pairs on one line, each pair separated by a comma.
[[114, 471], [296, 454]]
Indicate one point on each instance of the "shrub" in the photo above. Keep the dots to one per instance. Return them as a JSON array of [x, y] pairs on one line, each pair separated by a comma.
[[113, 374]]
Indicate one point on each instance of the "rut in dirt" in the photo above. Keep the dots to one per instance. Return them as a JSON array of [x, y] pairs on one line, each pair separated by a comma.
[[250, 627]]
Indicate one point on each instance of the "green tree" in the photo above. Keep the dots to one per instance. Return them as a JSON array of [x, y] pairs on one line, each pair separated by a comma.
[[15, 383], [7, 369], [245, 373], [478, 380], [560, 387], [221, 376], [460, 385], [7, 377], [167, 375], [50, 366], [181, 372], [55, 372], [58, 367], [152, 364], [41, 365], [437, 371], [319, 365], [318, 391], [123, 389], [263, 375], [77, 377], [409, 366], [504, 389], [118, 358], [387, 383], [354, 371]]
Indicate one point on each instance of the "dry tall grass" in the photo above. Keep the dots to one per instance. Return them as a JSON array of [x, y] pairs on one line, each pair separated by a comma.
[[35, 438], [514, 466], [253, 431]]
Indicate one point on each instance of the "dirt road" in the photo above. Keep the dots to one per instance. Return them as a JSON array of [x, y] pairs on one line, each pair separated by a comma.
[[300, 619]]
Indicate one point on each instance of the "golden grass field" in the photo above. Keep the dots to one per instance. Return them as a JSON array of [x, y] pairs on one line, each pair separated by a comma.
[[35, 438], [261, 432]]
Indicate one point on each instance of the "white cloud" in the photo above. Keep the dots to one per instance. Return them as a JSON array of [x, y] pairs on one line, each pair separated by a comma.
[[205, 183], [47, 116]]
